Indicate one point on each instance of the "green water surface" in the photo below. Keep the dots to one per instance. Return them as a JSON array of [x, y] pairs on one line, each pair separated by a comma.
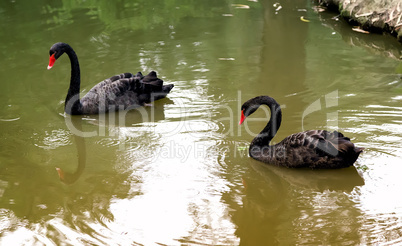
[[178, 172]]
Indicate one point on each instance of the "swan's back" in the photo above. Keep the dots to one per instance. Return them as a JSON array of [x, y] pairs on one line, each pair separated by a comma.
[[124, 91], [313, 149]]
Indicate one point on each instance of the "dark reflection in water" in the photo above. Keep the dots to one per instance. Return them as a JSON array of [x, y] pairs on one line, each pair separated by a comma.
[[108, 125], [274, 205], [385, 45], [67, 177], [318, 180], [297, 206]]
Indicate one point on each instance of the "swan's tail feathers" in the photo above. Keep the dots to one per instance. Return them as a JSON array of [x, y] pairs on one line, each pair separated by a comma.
[[359, 150], [150, 83], [162, 94], [139, 76], [167, 88], [152, 76], [118, 77], [153, 86]]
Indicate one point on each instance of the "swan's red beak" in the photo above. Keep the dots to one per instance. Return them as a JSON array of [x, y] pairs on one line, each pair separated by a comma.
[[242, 117], [51, 62]]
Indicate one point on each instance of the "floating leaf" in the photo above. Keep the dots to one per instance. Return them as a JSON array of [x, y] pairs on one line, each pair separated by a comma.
[[241, 6], [304, 20], [357, 29]]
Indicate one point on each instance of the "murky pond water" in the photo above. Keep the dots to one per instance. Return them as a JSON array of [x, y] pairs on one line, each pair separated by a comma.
[[177, 172]]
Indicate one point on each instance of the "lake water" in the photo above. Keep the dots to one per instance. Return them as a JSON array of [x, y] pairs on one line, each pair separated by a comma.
[[178, 172]]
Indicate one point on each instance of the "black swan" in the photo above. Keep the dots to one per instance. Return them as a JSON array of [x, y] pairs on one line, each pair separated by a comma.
[[312, 149], [116, 93]]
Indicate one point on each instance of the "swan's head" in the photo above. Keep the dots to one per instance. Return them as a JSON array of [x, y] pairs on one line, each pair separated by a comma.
[[55, 52], [253, 104], [247, 109]]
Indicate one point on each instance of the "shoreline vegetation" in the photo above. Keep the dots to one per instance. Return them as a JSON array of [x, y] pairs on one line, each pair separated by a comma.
[[376, 16]]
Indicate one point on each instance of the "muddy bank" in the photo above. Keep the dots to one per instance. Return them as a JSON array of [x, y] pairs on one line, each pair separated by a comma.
[[376, 16]]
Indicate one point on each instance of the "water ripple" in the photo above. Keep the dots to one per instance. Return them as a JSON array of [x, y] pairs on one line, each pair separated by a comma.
[[13, 119], [55, 139]]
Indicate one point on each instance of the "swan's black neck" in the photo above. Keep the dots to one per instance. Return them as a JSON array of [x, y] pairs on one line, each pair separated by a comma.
[[267, 134], [67, 177], [72, 103]]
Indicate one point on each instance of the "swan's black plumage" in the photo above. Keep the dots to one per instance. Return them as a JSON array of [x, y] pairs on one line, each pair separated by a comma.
[[118, 92], [312, 149]]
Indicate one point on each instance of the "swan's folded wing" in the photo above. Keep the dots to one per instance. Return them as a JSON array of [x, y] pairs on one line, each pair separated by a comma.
[[110, 89], [136, 83], [103, 85], [323, 142], [123, 91], [120, 76], [332, 143]]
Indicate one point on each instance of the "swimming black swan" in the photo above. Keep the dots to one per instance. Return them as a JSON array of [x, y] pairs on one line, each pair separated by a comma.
[[116, 93], [311, 149]]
